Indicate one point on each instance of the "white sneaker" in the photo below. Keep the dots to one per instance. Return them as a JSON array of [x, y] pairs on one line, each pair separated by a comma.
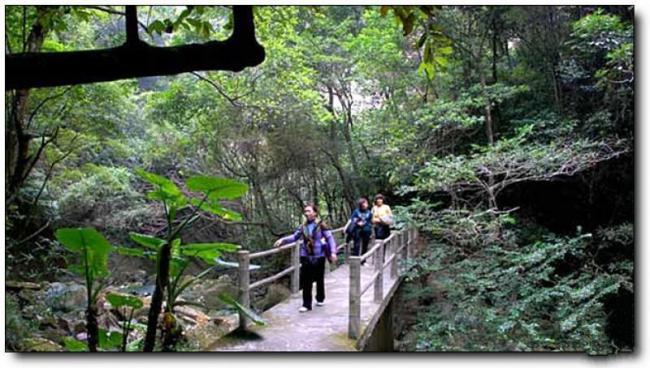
[[303, 310], [320, 304]]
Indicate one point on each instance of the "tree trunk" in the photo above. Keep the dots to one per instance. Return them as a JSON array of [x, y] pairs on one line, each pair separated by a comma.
[[261, 200], [347, 126], [92, 327], [162, 278], [494, 49], [17, 158], [348, 186], [489, 128]]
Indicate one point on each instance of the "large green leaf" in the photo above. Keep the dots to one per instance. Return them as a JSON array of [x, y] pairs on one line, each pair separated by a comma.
[[217, 209], [74, 345], [96, 247], [208, 251], [226, 298], [166, 185], [132, 252], [217, 188], [148, 241], [75, 239], [109, 339], [177, 266], [164, 190], [124, 300]]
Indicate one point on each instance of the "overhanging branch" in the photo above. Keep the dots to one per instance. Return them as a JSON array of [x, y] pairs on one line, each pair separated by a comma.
[[241, 50]]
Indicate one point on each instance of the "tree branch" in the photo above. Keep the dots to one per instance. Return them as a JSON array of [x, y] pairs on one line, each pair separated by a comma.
[[220, 90], [116, 12], [51, 168], [45, 100], [132, 25], [240, 50]]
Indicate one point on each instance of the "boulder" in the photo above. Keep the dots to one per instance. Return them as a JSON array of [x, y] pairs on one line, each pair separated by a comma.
[[65, 297], [205, 334], [207, 292], [39, 344]]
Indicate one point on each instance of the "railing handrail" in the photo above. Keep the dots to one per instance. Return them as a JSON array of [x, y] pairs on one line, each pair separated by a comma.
[[273, 250], [280, 249], [272, 278], [387, 262], [284, 247], [376, 246]]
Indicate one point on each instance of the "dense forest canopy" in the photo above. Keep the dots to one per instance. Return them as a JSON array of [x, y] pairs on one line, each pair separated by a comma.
[[504, 133]]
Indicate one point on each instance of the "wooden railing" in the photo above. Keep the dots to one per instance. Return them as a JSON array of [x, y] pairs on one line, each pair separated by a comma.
[[398, 246], [244, 257]]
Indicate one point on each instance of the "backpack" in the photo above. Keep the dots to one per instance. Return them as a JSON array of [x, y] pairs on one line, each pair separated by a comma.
[[309, 238]]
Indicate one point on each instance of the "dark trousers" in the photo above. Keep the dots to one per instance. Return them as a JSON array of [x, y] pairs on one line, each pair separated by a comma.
[[382, 231], [361, 240], [312, 270]]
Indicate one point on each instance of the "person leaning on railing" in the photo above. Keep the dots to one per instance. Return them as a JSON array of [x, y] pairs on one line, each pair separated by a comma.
[[317, 244], [360, 227]]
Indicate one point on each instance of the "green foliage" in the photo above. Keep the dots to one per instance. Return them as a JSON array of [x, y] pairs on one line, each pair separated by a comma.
[[164, 190], [109, 340], [124, 300], [93, 249], [172, 255], [92, 190], [192, 18], [93, 266], [491, 169], [350, 101], [208, 251], [217, 188], [73, 345], [17, 328], [544, 294], [437, 45], [147, 241], [602, 66]]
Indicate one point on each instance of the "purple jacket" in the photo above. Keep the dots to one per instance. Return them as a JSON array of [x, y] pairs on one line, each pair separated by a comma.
[[324, 243]]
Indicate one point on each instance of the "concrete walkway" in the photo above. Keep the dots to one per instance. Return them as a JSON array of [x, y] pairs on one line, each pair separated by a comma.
[[321, 329]]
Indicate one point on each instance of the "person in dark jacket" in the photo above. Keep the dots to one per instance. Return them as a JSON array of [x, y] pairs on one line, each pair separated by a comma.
[[317, 245], [360, 226]]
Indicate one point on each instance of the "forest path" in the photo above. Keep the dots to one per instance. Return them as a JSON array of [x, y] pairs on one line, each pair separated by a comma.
[[321, 329]]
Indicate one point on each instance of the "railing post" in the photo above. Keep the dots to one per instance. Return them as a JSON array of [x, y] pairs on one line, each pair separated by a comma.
[[415, 238], [405, 251], [354, 321], [347, 251], [244, 283], [408, 244], [415, 235], [295, 262], [379, 267], [372, 243], [395, 244]]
